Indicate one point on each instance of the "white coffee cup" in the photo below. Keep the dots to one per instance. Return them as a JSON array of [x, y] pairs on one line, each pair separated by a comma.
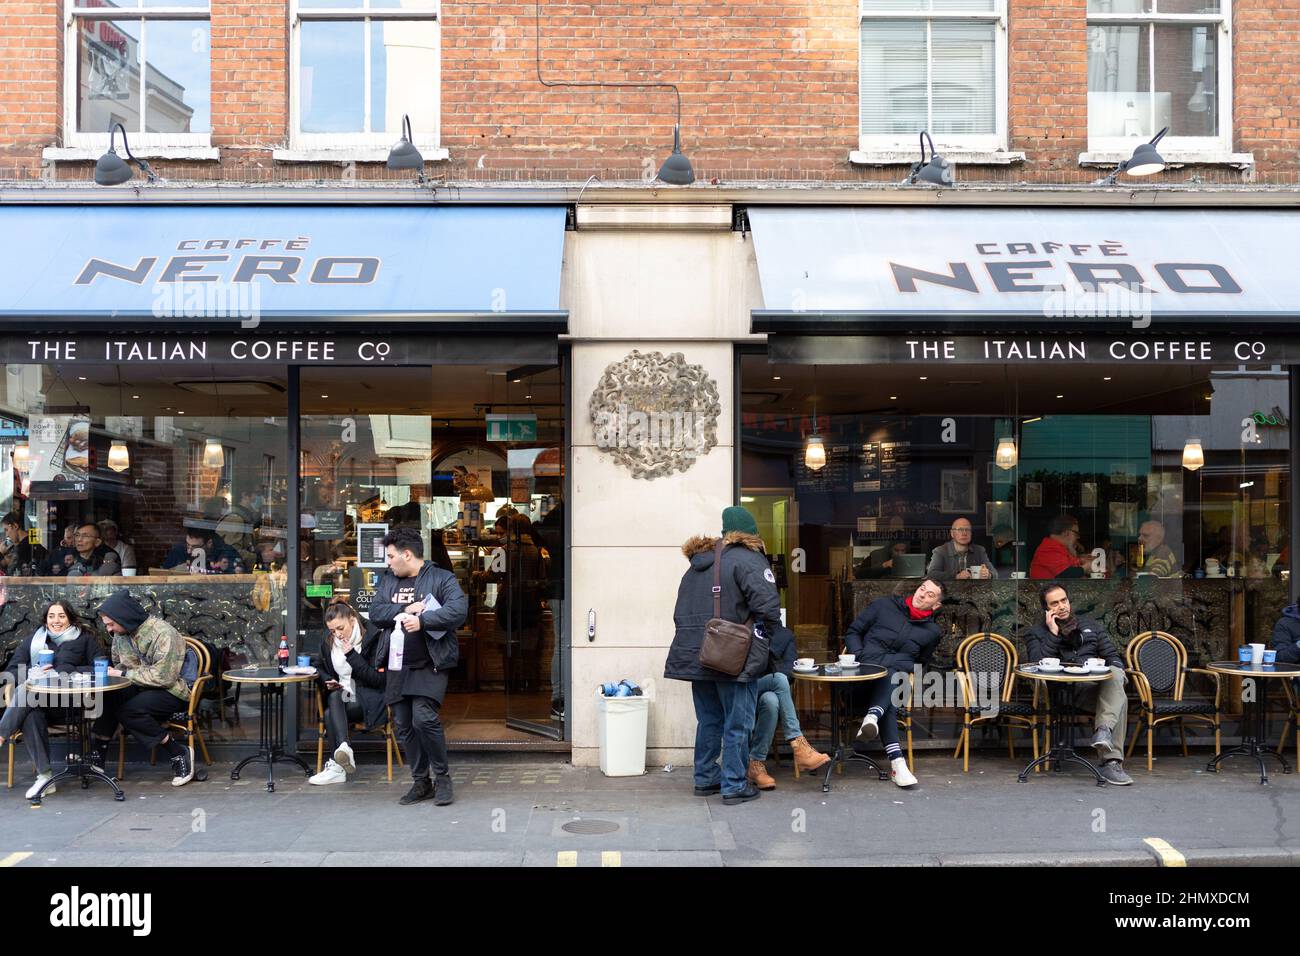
[[1018, 575], [1212, 566], [1050, 662], [1257, 654], [976, 571], [851, 660], [804, 663], [1095, 663], [128, 572]]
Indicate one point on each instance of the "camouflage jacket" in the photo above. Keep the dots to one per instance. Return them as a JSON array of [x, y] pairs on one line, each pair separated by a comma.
[[153, 657]]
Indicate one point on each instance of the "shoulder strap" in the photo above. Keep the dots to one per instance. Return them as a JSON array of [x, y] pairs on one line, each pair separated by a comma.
[[717, 577]]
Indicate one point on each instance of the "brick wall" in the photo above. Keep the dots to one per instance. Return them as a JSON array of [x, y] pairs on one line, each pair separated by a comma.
[[769, 91]]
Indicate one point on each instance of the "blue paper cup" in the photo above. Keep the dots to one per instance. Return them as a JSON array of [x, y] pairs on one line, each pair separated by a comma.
[[304, 660], [1243, 654], [1270, 657]]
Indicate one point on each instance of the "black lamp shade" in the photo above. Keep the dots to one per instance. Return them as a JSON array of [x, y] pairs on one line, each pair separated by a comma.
[[676, 170], [111, 170], [1146, 161], [937, 172], [405, 156]]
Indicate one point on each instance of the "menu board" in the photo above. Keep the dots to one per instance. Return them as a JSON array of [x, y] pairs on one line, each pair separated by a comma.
[[60, 457], [370, 545], [896, 466], [835, 475]]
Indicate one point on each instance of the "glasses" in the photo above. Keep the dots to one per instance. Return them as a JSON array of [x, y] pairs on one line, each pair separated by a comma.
[[961, 530]]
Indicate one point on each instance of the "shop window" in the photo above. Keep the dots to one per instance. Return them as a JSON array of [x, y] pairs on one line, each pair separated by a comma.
[[359, 66], [1154, 64], [936, 65], [143, 63]]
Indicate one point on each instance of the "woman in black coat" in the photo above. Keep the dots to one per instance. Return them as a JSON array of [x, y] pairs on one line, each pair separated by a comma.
[[74, 650], [353, 686]]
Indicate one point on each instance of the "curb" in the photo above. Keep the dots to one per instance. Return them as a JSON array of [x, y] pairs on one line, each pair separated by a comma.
[[1098, 858]]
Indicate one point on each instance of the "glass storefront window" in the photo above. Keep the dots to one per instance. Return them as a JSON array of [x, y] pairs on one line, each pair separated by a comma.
[[169, 481], [1006, 458]]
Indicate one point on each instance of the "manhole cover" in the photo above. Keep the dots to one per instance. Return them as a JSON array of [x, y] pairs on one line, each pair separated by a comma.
[[590, 827]]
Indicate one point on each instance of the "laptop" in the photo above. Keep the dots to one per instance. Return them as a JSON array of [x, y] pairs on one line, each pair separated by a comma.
[[909, 566]]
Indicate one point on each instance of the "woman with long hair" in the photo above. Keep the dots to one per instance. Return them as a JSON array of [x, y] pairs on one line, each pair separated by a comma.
[[353, 687]]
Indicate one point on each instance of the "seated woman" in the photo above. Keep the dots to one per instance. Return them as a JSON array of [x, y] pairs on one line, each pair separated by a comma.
[[74, 650], [774, 699], [354, 688]]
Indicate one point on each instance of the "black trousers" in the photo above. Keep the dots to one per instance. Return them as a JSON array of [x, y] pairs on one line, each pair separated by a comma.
[[420, 729], [140, 711], [339, 714]]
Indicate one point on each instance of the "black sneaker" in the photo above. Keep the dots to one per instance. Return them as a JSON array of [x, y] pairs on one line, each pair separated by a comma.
[[442, 795], [708, 791], [183, 768], [743, 796], [420, 790]]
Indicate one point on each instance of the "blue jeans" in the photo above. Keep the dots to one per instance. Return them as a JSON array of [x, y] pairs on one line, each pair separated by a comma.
[[724, 711], [774, 699]]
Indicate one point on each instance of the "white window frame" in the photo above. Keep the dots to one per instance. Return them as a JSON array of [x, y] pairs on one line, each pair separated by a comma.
[[1171, 146], [359, 146], [996, 142], [92, 144]]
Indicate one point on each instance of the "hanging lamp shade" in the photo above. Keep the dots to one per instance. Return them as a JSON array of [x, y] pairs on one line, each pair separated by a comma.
[[814, 453], [1193, 454], [1007, 454], [22, 456], [214, 456], [119, 459]]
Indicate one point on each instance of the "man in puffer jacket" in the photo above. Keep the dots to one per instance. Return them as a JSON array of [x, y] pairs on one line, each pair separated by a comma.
[[896, 632], [1286, 635], [724, 705]]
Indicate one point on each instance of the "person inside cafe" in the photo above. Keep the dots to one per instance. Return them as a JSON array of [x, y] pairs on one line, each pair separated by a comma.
[[424, 603], [111, 535], [150, 653], [353, 687], [268, 553], [1072, 639], [89, 557], [897, 632], [1002, 547], [1057, 554], [1158, 558], [75, 649], [59, 552], [17, 554], [868, 568], [776, 705], [218, 558], [960, 559]]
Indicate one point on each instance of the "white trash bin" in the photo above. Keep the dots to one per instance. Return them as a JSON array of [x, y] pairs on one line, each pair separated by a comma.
[[622, 726]]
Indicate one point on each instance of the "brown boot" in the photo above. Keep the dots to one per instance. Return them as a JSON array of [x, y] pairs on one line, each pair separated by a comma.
[[759, 776], [805, 757]]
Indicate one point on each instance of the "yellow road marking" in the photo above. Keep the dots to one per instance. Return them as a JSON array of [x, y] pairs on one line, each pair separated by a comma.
[[1167, 854], [13, 859], [566, 858], [611, 858]]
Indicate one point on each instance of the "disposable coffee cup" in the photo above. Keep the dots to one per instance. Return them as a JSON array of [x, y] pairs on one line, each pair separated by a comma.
[[1270, 657], [304, 660], [1257, 653], [1243, 654]]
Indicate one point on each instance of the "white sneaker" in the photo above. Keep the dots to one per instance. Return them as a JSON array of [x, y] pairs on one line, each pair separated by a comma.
[[870, 728], [332, 773], [343, 757], [899, 773], [40, 782]]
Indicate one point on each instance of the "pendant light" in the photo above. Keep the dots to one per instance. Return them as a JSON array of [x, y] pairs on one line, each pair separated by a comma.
[[814, 452], [119, 459], [1007, 454], [214, 456], [1193, 454], [22, 456]]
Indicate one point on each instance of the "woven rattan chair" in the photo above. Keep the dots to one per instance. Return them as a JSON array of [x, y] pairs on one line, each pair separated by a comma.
[[988, 660], [1157, 664]]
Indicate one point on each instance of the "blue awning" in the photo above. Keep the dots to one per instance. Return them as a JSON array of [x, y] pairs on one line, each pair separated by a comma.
[[496, 265]]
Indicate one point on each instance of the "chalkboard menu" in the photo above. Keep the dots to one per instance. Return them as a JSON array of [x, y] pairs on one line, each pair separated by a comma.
[[896, 466], [835, 475]]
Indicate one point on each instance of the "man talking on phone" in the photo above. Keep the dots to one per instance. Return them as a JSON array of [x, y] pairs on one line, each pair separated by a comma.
[[423, 605]]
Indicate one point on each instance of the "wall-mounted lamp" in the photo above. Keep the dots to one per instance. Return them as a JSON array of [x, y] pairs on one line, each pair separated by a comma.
[[937, 172], [404, 155], [112, 170], [1145, 161]]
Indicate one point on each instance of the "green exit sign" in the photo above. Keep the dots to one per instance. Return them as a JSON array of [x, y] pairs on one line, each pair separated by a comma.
[[512, 428]]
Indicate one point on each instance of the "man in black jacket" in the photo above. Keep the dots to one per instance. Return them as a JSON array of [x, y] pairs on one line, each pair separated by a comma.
[[724, 705], [1286, 635], [897, 632], [1073, 640], [427, 604]]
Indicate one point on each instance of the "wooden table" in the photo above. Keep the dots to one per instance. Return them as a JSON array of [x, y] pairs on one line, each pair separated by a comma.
[[77, 699], [1254, 745], [838, 683], [271, 743], [1062, 750]]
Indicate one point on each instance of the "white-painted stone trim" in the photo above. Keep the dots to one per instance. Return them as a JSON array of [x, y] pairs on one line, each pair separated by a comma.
[[1198, 157], [77, 153], [650, 216], [352, 154], [905, 157]]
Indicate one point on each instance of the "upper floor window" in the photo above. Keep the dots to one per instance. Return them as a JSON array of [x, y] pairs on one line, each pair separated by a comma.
[[1158, 63], [142, 63], [937, 65], [360, 65]]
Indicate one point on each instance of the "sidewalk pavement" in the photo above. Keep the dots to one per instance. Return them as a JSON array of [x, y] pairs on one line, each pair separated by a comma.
[[512, 811]]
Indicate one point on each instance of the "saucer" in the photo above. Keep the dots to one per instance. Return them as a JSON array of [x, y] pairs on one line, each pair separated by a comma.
[[1076, 669], [1044, 669], [805, 670]]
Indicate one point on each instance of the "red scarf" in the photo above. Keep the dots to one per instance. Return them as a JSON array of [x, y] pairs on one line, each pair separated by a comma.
[[916, 615]]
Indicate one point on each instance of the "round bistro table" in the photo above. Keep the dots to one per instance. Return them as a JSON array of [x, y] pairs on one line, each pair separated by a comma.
[[272, 683], [840, 683], [1254, 744], [1058, 684], [78, 699]]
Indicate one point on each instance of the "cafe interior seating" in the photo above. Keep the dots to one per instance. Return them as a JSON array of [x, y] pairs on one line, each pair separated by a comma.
[[989, 660], [1157, 665]]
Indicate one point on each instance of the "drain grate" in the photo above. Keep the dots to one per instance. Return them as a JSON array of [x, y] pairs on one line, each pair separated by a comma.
[[590, 827]]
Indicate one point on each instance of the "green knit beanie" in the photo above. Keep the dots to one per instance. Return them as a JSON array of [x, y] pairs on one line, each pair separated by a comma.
[[737, 518]]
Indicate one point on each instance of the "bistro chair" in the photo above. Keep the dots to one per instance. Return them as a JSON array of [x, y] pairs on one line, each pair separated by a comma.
[[184, 722], [53, 732], [989, 660], [391, 747], [1157, 663]]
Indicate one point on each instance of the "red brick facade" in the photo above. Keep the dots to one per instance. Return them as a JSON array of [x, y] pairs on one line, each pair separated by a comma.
[[769, 92]]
